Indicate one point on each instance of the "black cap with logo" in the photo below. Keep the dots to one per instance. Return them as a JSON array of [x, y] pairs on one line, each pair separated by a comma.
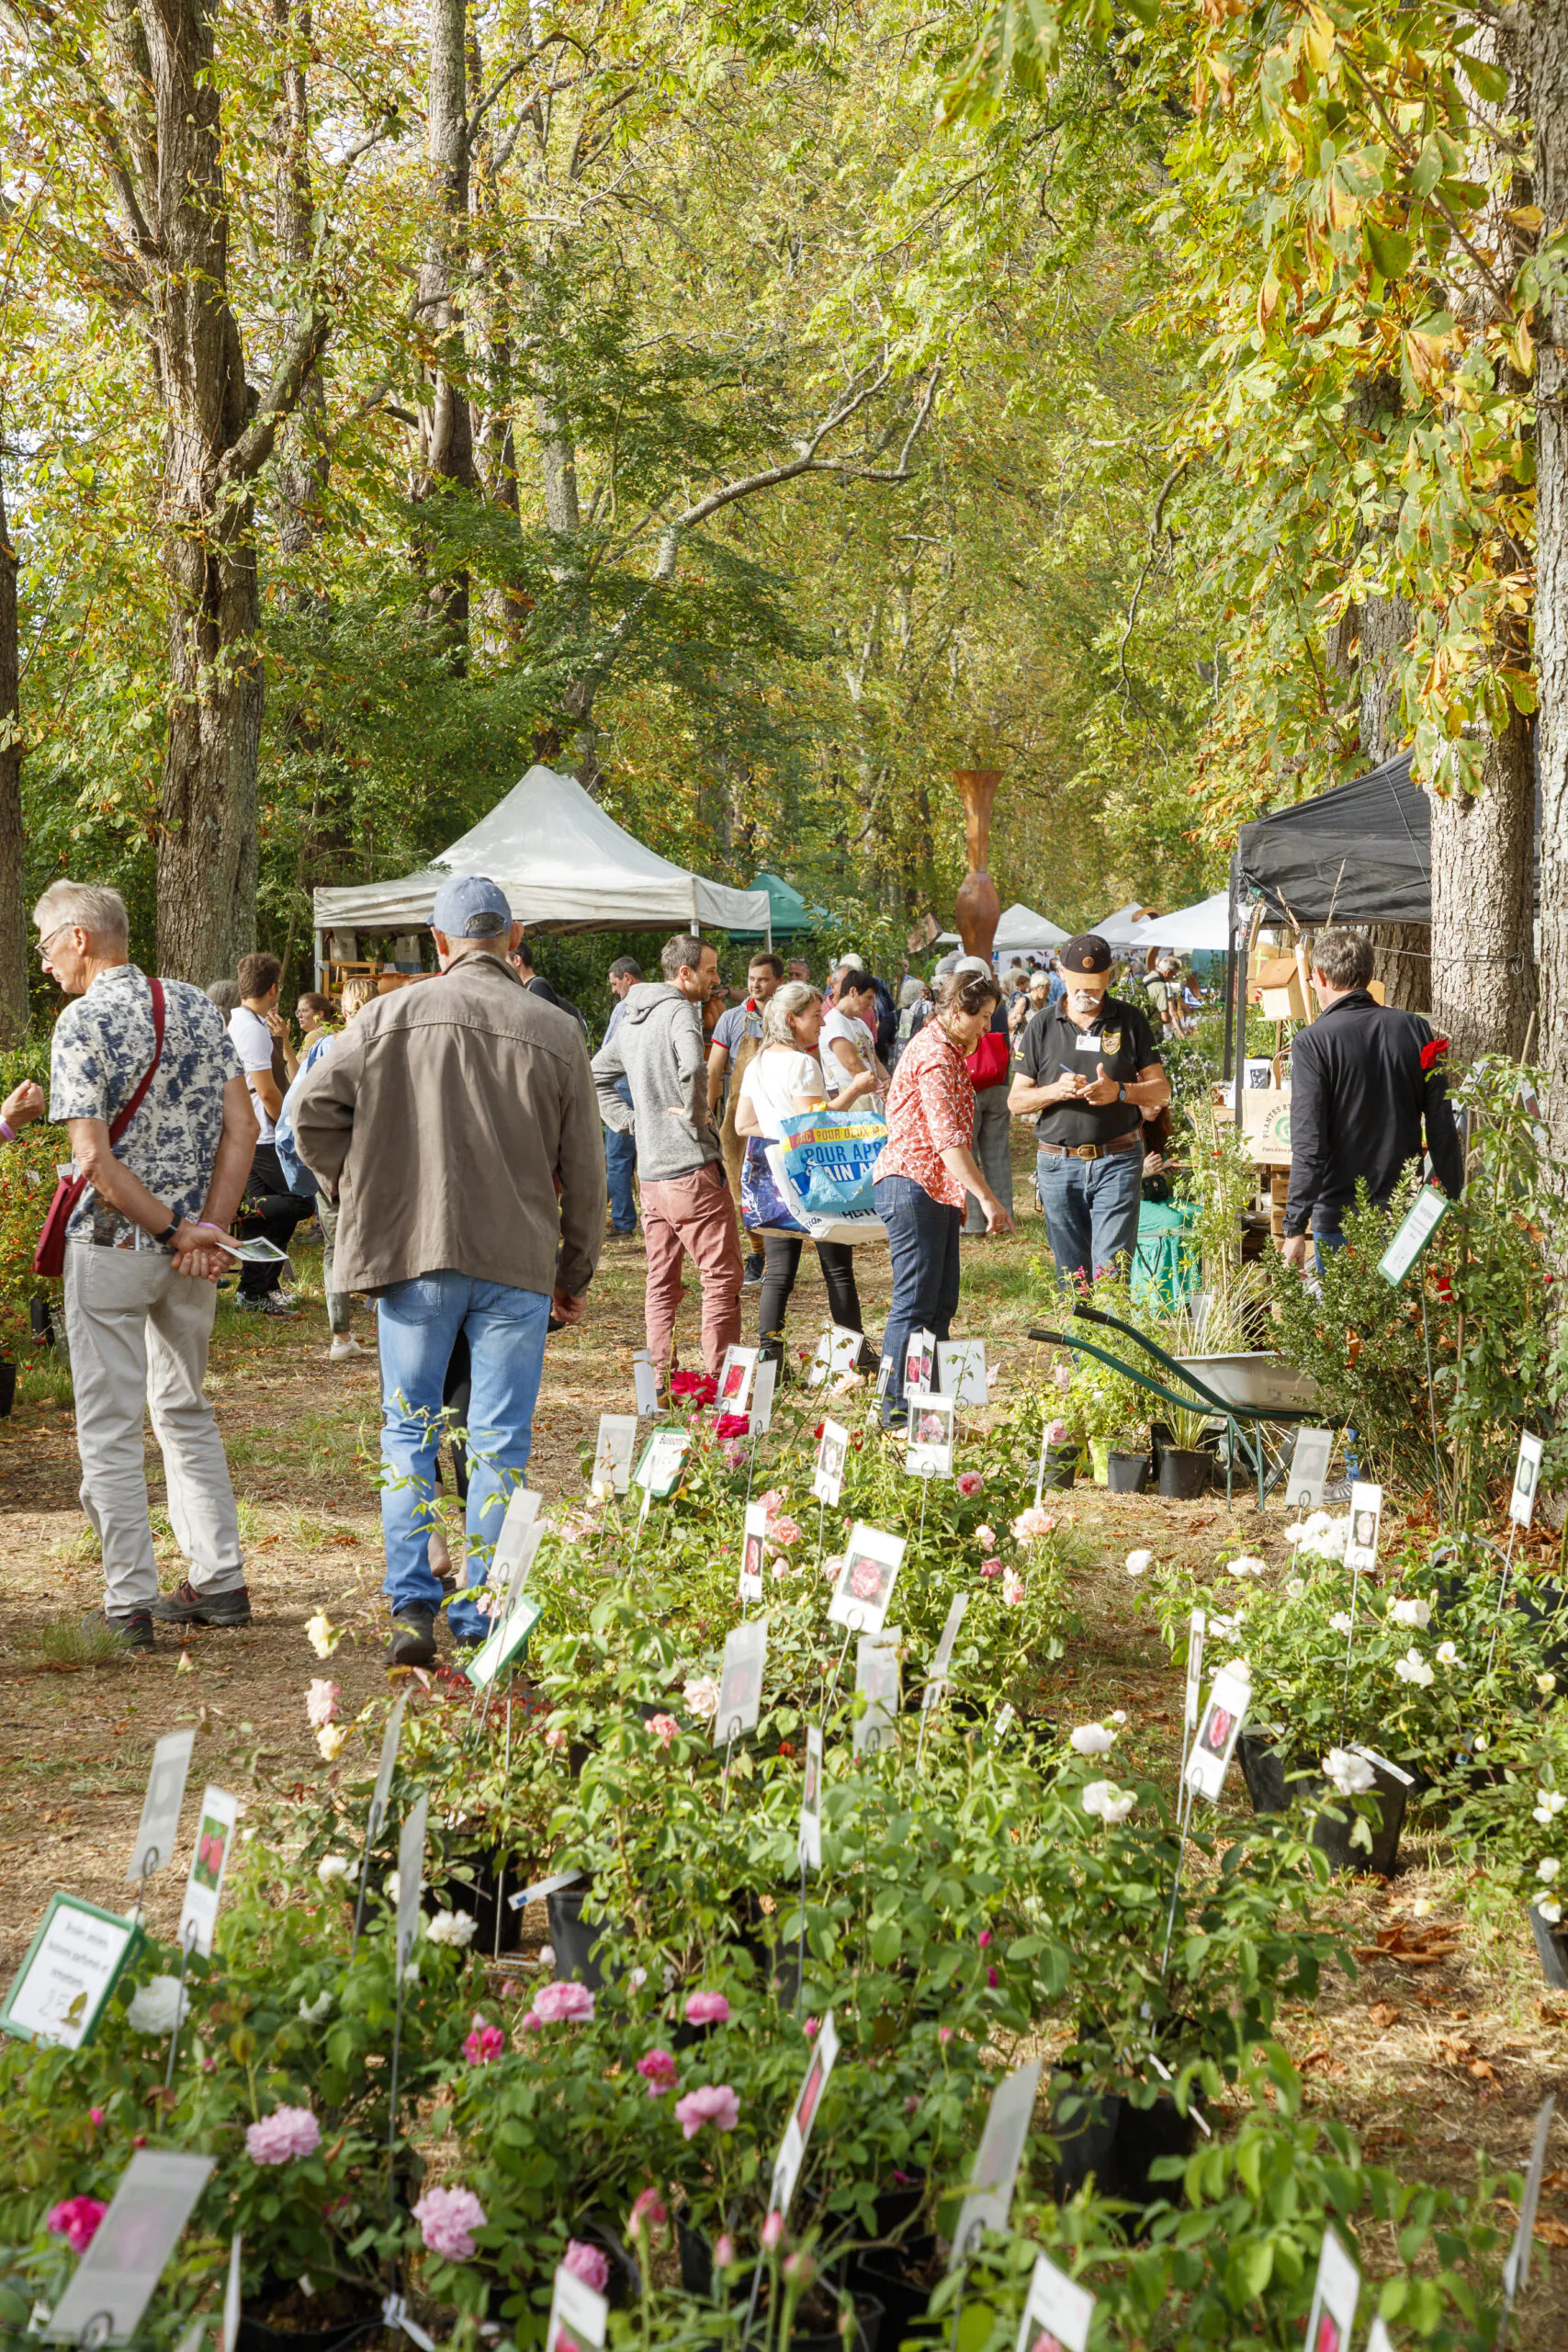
[[1087, 953]]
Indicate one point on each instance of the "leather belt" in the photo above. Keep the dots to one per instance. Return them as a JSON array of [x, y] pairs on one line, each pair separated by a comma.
[[1132, 1141]]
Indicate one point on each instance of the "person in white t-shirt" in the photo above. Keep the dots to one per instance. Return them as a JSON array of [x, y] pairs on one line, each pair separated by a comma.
[[787, 1076], [255, 1027], [848, 1041]]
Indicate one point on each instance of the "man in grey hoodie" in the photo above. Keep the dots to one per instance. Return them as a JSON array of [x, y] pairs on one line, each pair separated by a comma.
[[659, 1048]]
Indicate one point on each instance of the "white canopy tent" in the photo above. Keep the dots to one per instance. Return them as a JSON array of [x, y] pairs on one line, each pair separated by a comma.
[[564, 863], [1124, 928], [1205, 927], [1020, 931]]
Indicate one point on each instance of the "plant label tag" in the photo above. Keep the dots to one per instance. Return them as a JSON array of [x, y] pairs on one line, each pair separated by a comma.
[[1420, 1221], [386, 1768], [751, 1544], [810, 1839], [1334, 2299], [230, 2334], [645, 1381], [995, 2171], [1229, 1698], [395, 2312], [873, 1558], [1057, 2311], [884, 1376], [1378, 2337], [876, 1676], [71, 1966], [522, 1517], [1196, 2113], [1308, 1472], [505, 1642], [1527, 1474], [410, 1877], [920, 1364], [542, 1888], [838, 1351], [942, 1656], [1197, 1627], [1516, 2268], [735, 1378], [658, 1472], [159, 1826], [1361, 1546], [613, 1454], [928, 1451], [1395, 1772], [740, 1681], [833, 1452], [797, 2130], [1003, 1723], [204, 1887], [762, 1397], [256, 1251], [961, 1371], [520, 1570], [579, 2314], [115, 2278]]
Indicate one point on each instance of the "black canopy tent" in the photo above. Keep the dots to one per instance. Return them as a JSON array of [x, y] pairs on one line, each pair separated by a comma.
[[1359, 853]]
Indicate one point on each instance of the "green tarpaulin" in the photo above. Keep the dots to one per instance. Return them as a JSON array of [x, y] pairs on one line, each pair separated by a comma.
[[1159, 1276], [791, 915]]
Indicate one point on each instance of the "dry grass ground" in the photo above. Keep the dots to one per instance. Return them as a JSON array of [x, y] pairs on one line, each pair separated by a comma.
[[1430, 2056]]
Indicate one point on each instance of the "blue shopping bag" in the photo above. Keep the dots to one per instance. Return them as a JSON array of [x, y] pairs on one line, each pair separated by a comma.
[[829, 1156]]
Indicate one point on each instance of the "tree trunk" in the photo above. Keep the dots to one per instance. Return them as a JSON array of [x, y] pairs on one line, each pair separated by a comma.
[[302, 474], [1483, 948], [207, 838], [447, 428], [14, 958], [1549, 92]]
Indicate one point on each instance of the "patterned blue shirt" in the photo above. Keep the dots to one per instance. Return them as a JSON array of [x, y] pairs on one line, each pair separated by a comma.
[[103, 1042]]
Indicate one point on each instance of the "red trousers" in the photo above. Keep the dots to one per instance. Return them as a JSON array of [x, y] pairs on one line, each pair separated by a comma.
[[692, 1216]]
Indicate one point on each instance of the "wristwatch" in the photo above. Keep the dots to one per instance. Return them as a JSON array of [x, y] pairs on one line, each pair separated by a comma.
[[1121, 1094], [163, 1238]]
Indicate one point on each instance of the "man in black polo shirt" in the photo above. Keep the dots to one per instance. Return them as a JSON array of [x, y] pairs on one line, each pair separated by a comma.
[[1090, 1069], [1365, 1081]]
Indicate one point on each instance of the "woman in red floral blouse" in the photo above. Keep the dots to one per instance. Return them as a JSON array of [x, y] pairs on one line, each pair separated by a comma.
[[927, 1166]]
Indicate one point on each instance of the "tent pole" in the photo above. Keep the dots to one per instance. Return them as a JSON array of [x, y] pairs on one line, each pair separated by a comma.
[[1242, 960], [1230, 972], [321, 940]]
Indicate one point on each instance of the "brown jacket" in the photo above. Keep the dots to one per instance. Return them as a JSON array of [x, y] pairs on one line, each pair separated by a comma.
[[440, 1123]]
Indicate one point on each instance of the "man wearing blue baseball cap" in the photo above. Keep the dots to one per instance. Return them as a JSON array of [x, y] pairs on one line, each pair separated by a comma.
[[456, 1127]]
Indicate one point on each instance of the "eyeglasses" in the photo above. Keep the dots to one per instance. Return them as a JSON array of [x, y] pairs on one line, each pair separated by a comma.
[[44, 945]]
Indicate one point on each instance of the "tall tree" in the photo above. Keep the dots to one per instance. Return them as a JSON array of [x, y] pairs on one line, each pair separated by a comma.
[[13, 956], [1549, 24]]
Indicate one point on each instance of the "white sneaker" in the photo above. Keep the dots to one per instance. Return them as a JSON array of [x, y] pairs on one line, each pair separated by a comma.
[[342, 1346]]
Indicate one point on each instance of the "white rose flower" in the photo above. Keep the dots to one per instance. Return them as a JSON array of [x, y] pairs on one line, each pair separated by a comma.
[[1139, 1563], [1225, 1629], [1411, 1613], [1294, 1535], [1547, 1870], [452, 1927], [1239, 1665], [392, 1886], [1090, 1739], [312, 2012], [1447, 1653], [1295, 1587], [1480, 1740], [1547, 1803], [546, 1955], [1413, 1667], [322, 1634], [1550, 1909], [1120, 1716], [1245, 1566], [331, 1867], [1352, 1775], [1340, 1623], [1102, 1800], [156, 2007]]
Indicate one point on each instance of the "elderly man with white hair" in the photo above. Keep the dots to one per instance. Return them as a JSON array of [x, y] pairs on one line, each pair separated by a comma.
[[161, 1133]]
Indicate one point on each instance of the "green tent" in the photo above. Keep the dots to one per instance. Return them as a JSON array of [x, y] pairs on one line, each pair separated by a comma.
[[792, 918]]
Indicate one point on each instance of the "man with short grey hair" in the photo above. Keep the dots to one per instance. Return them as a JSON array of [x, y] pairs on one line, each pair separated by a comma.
[[1365, 1082], [454, 1124], [159, 1189]]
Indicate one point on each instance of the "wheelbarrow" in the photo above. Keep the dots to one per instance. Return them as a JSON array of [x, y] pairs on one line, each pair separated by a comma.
[[1260, 1398]]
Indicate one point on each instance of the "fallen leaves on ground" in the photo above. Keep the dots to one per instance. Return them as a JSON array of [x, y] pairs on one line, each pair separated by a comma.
[[1415, 1947]]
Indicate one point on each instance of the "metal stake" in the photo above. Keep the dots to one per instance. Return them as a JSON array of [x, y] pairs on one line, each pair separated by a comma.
[[1502, 1593], [505, 1776], [1432, 1397], [1183, 1817], [392, 2095], [187, 1941]]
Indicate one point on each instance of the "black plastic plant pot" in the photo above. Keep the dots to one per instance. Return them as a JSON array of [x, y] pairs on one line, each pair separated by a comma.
[[258, 2335], [1540, 1599], [8, 1386], [481, 1890], [1265, 1764], [573, 1938], [1126, 1474], [865, 2336], [1105, 2134], [1263, 1768], [904, 2297], [1184, 1473], [1551, 1942], [1061, 1467]]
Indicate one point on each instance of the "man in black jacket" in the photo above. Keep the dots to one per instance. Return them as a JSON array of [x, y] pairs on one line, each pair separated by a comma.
[[1365, 1081]]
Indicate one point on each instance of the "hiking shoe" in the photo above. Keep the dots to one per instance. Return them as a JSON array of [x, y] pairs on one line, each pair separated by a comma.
[[343, 1346], [413, 1636], [271, 1303], [186, 1606], [130, 1628], [752, 1274]]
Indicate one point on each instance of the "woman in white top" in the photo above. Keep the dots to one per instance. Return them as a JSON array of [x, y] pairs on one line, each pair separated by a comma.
[[848, 1041], [783, 1077]]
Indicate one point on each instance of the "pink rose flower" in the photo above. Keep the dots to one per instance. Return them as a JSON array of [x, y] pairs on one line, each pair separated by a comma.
[[985, 1536], [95, 2114], [568, 2003], [734, 1452], [990, 1567], [658, 2071], [76, 2220], [771, 1502], [724, 2251], [447, 2219], [649, 2213], [664, 1727], [969, 1483], [555, 1736], [588, 2263], [286, 2133], [707, 2009], [773, 2231], [1031, 1524], [531, 2021], [812, 2028], [732, 1425], [1013, 1589], [322, 1702], [713, 2103], [786, 1532], [485, 2042]]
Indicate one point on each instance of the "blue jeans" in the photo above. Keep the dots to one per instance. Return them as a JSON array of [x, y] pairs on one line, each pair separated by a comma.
[[1326, 1243], [620, 1159], [420, 1322], [1091, 1211], [922, 1238]]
